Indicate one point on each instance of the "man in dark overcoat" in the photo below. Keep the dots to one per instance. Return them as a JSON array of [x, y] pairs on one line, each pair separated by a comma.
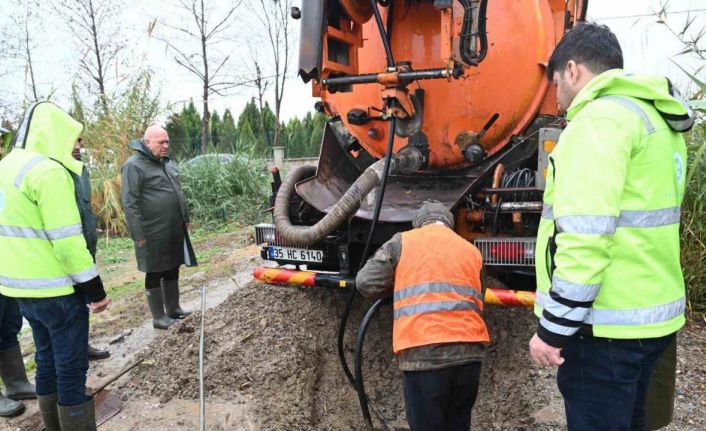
[[158, 221]]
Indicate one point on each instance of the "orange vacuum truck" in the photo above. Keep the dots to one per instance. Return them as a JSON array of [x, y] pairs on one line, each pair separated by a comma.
[[428, 99]]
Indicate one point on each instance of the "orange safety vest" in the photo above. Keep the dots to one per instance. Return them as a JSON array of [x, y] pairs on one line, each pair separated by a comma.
[[437, 295]]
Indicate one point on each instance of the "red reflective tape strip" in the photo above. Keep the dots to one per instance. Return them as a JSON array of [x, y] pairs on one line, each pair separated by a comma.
[[509, 298], [302, 278], [285, 276]]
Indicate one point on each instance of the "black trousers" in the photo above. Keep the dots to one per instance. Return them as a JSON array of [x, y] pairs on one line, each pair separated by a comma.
[[153, 279], [441, 400]]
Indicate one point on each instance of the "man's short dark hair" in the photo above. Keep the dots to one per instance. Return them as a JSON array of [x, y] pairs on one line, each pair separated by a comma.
[[592, 45]]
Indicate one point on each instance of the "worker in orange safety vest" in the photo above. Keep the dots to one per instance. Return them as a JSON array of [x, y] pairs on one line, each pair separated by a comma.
[[439, 335]]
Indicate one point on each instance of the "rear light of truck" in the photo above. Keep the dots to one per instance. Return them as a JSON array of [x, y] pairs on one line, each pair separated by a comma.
[[507, 251]]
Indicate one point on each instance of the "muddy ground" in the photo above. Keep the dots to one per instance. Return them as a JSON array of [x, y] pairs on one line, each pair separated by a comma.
[[273, 351], [271, 361]]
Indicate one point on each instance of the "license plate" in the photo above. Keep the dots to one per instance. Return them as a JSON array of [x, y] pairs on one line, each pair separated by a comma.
[[296, 254]]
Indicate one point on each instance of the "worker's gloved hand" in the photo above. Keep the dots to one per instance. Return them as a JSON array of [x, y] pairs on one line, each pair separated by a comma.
[[543, 354]]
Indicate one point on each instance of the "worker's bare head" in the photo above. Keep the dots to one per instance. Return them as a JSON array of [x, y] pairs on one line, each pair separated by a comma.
[[585, 51], [157, 140], [433, 212]]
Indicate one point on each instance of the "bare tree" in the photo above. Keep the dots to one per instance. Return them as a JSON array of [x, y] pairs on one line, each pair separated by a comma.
[[95, 26], [27, 46], [21, 45], [205, 61], [274, 17]]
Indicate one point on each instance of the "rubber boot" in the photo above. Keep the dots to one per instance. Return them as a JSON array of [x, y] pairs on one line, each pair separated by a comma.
[[14, 376], [170, 290], [159, 319], [78, 418], [95, 354], [49, 411], [9, 408]]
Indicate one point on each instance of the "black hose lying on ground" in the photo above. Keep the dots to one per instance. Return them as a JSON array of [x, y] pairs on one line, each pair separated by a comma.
[[358, 359]]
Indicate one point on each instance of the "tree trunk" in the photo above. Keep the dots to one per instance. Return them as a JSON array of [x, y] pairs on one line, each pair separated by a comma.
[[260, 100], [278, 103], [30, 65], [100, 79], [206, 122]]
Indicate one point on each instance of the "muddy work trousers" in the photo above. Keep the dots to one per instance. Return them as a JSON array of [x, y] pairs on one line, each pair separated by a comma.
[[441, 399], [604, 382], [153, 279]]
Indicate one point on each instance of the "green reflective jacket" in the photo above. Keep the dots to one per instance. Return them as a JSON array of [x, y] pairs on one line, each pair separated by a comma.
[[42, 250], [608, 244]]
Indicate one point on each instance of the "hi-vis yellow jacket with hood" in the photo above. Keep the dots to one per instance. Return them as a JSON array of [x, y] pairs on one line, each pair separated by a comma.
[[608, 243], [42, 249]]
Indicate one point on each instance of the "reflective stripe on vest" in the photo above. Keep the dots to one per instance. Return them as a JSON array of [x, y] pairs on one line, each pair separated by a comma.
[[634, 107], [48, 283], [608, 224], [51, 234], [437, 288], [26, 168], [633, 317], [432, 307]]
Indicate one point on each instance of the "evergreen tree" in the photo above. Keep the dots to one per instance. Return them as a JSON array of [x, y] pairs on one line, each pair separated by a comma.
[[216, 130], [262, 125], [179, 139], [246, 139], [298, 139], [184, 129], [229, 133], [317, 134], [191, 121]]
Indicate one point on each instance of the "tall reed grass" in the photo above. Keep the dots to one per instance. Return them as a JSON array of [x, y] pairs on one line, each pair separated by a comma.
[[225, 192]]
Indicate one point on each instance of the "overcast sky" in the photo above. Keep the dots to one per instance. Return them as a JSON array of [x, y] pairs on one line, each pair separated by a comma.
[[648, 47]]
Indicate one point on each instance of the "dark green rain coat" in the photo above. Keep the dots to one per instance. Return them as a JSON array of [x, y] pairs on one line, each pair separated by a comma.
[[156, 211]]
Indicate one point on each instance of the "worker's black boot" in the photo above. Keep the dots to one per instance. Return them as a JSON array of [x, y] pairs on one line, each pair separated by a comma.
[[78, 418], [14, 376], [9, 408], [49, 411], [170, 290], [95, 354], [156, 304]]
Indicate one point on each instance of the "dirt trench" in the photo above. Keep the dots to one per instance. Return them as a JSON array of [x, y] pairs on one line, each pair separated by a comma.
[[273, 350], [272, 364]]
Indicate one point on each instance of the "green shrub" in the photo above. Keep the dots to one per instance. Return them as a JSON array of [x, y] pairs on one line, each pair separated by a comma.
[[217, 192]]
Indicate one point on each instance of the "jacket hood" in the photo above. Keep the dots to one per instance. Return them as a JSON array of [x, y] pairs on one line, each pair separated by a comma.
[[140, 146], [49, 131], [656, 90]]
